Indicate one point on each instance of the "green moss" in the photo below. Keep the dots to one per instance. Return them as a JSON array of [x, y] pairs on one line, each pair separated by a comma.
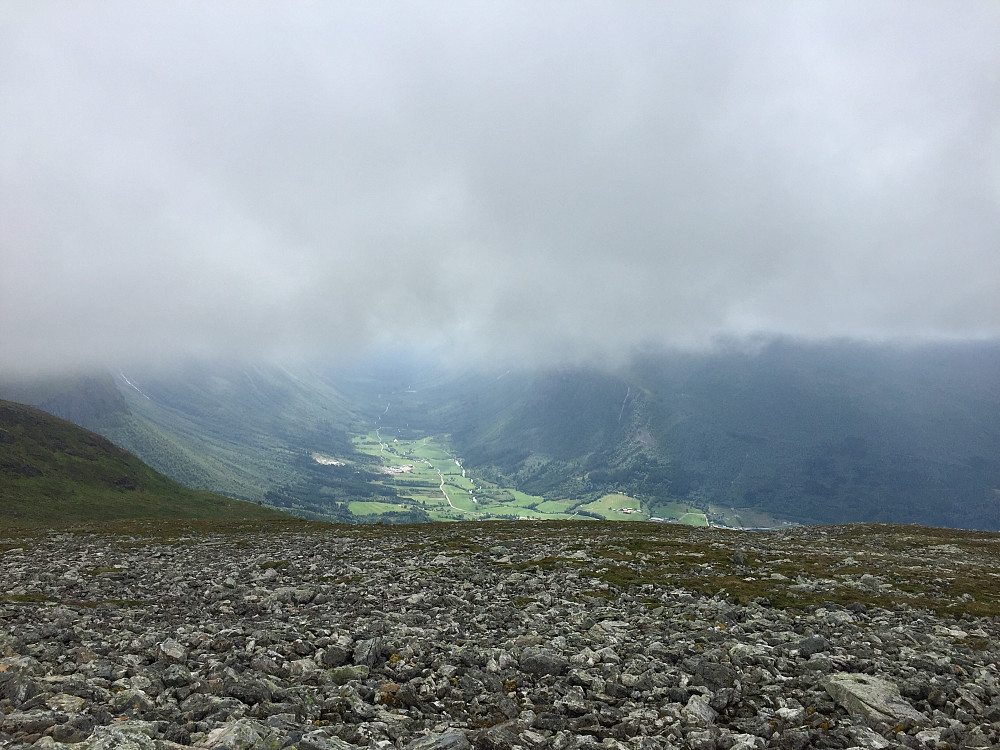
[[99, 571], [275, 564], [623, 577], [25, 598]]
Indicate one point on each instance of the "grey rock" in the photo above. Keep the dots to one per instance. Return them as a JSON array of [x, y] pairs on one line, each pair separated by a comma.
[[712, 675], [698, 712], [270, 574], [177, 675], [126, 735], [538, 661], [249, 691], [452, 739], [528, 649], [868, 582], [343, 675], [864, 737], [171, 651], [368, 652], [814, 644], [17, 687], [505, 736], [871, 697], [64, 703], [789, 741], [131, 702], [31, 722], [318, 740], [25, 665], [244, 734], [335, 655]]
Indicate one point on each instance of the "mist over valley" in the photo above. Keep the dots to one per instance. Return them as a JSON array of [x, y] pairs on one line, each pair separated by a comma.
[[786, 433]]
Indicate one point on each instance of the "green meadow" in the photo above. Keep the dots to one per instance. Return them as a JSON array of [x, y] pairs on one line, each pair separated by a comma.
[[426, 475]]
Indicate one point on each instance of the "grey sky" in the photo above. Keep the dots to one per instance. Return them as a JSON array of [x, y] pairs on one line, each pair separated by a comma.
[[540, 181]]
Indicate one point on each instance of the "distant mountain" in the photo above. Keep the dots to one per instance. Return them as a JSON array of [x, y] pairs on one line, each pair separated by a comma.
[[832, 433], [824, 433], [54, 471], [810, 433]]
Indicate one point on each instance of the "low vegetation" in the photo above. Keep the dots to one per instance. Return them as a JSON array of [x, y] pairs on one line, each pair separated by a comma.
[[949, 572]]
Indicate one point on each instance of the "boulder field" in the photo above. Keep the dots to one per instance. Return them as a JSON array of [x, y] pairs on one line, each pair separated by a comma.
[[497, 636]]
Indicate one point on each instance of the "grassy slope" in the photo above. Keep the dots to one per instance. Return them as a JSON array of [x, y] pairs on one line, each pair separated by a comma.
[[233, 429], [240, 430], [52, 471]]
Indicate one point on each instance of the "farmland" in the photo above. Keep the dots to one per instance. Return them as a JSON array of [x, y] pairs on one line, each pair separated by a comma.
[[425, 475]]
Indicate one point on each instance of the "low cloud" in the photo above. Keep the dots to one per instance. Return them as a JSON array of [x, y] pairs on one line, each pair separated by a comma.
[[539, 183]]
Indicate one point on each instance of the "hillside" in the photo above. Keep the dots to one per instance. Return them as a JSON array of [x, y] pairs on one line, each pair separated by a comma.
[[238, 430], [831, 433], [813, 434], [52, 471]]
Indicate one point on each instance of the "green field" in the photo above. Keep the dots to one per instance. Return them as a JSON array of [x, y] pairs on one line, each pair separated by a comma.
[[678, 512], [361, 508], [427, 476], [611, 507], [745, 518]]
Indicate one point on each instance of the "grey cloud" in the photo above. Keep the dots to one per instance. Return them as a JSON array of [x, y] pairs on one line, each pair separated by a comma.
[[546, 182]]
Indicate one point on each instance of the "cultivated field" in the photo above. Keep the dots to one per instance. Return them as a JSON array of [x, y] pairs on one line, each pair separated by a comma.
[[427, 475]]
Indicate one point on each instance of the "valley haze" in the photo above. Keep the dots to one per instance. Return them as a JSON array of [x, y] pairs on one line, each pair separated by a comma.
[[776, 434], [736, 260]]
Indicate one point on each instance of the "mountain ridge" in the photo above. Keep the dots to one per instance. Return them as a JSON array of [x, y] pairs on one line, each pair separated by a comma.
[[53, 471]]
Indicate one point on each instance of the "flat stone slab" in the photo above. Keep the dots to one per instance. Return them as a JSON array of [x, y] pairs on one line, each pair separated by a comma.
[[872, 697]]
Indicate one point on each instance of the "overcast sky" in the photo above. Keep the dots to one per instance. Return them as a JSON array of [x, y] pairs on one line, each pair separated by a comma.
[[538, 181]]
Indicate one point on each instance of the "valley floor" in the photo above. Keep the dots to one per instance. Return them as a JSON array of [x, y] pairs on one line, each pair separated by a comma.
[[427, 476]]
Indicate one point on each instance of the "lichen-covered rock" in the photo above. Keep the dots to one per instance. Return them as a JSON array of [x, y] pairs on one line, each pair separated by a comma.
[[450, 740], [172, 651], [126, 735], [243, 734], [871, 697], [698, 712], [31, 722], [17, 687]]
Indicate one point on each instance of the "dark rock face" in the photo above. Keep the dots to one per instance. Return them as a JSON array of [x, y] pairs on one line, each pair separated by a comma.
[[491, 637], [539, 661]]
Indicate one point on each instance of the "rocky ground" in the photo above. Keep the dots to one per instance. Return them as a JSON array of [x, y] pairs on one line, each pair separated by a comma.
[[498, 636]]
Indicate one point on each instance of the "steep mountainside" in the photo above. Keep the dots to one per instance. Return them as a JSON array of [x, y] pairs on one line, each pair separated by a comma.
[[233, 429], [54, 471], [836, 432], [827, 433], [808, 433]]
